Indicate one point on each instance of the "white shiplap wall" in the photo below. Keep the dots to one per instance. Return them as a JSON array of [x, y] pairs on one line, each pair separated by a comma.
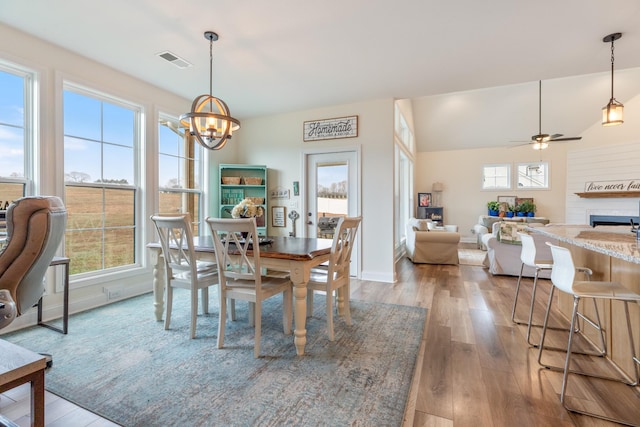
[[603, 163]]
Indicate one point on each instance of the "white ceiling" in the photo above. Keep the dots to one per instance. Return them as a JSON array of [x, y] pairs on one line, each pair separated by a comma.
[[287, 55]]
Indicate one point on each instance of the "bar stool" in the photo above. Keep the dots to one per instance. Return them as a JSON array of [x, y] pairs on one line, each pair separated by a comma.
[[562, 277], [528, 258]]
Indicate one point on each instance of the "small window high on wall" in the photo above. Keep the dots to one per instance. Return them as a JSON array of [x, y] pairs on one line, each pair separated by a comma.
[[533, 175], [496, 177]]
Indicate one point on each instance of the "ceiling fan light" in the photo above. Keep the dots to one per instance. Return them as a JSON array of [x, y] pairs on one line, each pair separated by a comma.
[[612, 113], [539, 145]]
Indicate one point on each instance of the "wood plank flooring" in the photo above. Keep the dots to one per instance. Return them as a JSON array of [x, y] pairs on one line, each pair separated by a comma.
[[476, 368]]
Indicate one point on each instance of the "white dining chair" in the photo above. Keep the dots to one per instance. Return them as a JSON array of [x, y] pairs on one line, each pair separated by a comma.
[[563, 278], [336, 274], [241, 277], [183, 270]]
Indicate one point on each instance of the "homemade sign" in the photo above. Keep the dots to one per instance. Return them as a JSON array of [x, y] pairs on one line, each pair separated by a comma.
[[341, 127]]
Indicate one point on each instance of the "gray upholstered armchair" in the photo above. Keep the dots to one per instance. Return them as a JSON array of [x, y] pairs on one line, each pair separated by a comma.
[[35, 226]]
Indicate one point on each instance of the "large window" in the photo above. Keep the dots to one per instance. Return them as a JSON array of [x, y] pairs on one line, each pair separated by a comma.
[[101, 137], [16, 125], [179, 171], [403, 188]]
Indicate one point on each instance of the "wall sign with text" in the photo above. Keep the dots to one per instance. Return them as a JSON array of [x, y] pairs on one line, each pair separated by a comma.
[[608, 186], [341, 127]]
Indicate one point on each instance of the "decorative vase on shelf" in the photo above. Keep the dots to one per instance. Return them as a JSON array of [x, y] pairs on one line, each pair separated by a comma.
[[509, 214], [531, 214], [521, 214]]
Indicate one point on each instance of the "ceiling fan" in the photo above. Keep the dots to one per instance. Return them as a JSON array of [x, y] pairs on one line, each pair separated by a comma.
[[542, 140]]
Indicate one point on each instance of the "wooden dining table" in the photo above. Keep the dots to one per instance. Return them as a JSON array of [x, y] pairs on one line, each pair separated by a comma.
[[295, 255]]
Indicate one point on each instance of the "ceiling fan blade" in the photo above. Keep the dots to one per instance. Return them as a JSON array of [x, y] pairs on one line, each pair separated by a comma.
[[556, 135], [521, 144], [571, 138]]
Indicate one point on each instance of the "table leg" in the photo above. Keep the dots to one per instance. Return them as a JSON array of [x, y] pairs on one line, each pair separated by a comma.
[[158, 283], [299, 309], [37, 399]]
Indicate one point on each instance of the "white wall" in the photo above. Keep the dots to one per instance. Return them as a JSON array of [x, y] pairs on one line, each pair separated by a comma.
[[276, 141]]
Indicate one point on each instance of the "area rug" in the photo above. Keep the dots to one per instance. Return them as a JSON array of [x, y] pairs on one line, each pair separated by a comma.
[[471, 256], [120, 363]]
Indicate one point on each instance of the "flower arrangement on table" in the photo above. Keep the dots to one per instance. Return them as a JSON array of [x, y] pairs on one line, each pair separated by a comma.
[[247, 209]]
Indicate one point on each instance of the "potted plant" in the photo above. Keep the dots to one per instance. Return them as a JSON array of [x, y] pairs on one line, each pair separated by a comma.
[[511, 211], [527, 208], [494, 208]]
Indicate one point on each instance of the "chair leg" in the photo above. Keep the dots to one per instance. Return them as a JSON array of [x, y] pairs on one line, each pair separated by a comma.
[[258, 322], [567, 369], [194, 311], [330, 315], [167, 318], [205, 300], [252, 316], [347, 304], [222, 319], [533, 302], [515, 299]]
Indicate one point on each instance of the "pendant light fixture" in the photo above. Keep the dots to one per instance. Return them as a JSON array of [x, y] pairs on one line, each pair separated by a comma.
[[612, 113], [209, 121]]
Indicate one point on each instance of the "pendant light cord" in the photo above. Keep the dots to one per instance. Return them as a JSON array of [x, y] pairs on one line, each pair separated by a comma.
[[612, 60]]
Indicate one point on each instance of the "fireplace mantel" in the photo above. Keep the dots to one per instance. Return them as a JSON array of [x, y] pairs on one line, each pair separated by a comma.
[[608, 194]]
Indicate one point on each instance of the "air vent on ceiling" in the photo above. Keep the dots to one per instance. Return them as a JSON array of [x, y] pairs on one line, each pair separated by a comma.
[[174, 59]]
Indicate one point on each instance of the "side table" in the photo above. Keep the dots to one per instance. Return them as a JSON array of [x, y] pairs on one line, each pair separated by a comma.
[[20, 366], [64, 261]]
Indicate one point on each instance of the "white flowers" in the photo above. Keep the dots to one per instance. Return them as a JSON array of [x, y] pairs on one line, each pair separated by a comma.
[[246, 209]]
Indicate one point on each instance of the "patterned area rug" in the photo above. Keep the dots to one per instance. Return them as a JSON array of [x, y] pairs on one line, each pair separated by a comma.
[[119, 362], [469, 256]]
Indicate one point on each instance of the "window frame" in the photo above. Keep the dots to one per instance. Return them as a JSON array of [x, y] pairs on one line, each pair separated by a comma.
[[198, 170], [508, 167], [546, 175], [29, 126], [90, 277]]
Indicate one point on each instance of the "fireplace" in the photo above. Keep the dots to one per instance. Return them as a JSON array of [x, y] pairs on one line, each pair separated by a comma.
[[595, 220]]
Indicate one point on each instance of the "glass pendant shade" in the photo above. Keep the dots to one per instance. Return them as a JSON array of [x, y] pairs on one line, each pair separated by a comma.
[[540, 145], [612, 113]]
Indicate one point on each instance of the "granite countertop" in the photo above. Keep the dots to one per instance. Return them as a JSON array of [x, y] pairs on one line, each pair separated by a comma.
[[615, 241]]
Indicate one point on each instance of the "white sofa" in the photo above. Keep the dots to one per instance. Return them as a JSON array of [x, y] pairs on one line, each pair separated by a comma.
[[485, 223], [428, 245], [503, 250]]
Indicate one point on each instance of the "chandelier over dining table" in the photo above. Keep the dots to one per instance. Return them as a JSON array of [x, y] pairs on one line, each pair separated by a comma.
[[209, 120]]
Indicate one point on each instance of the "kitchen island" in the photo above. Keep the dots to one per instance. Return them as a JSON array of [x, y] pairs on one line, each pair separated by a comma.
[[613, 253]]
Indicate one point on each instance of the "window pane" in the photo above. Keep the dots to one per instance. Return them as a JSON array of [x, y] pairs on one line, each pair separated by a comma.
[[533, 175], [84, 247], [118, 125], [82, 160], [11, 152], [117, 165], [119, 207], [118, 249], [496, 176], [12, 99], [85, 207], [82, 116], [9, 192]]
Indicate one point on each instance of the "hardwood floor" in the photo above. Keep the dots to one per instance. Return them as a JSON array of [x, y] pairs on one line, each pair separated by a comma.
[[476, 370]]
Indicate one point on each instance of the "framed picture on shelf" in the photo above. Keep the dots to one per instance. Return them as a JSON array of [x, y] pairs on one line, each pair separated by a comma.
[[511, 200], [424, 200], [278, 217]]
